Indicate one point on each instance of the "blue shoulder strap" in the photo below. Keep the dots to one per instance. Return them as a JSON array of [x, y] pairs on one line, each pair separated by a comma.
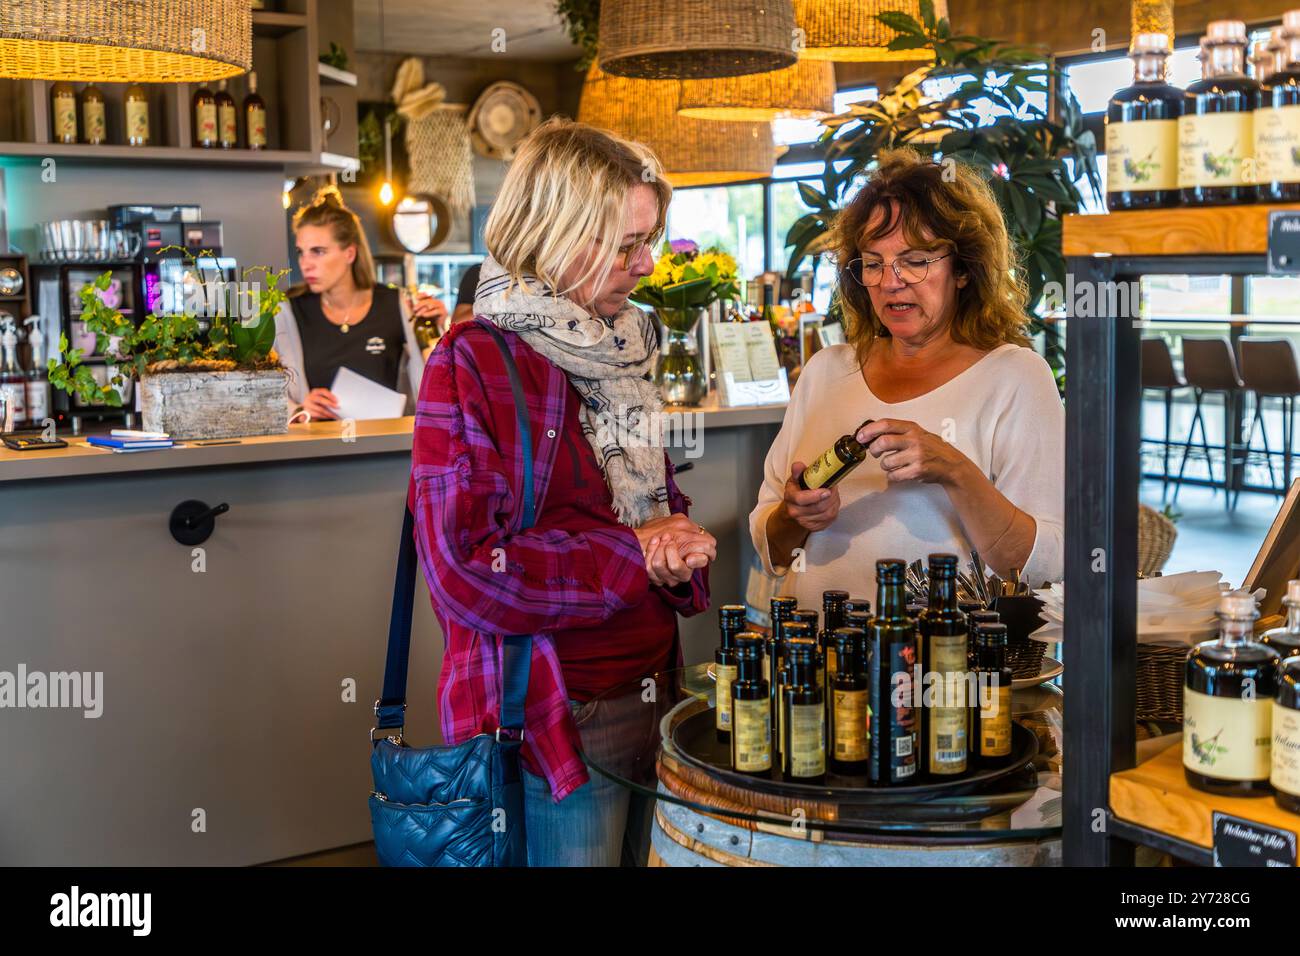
[[517, 650]]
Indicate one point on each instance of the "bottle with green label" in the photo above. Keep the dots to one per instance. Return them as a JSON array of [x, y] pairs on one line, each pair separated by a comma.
[[1228, 705], [1142, 132], [1216, 133], [1285, 775], [832, 465], [1277, 121]]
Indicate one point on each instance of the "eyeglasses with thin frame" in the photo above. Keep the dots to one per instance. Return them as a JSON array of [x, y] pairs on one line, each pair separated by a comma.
[[910, 269], [632, 251]]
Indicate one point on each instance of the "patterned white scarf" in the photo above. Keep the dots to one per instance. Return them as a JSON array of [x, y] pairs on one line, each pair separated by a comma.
[[611, 363]]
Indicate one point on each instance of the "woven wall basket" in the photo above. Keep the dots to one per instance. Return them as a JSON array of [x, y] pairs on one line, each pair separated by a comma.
[[126, 41], [693, 152], [805, 90], [442, 160], [847, 30], [673, 39]]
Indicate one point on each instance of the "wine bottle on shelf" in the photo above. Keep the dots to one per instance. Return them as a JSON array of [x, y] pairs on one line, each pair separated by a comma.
[[254, 115], [38, 379], [94, 124], [13, 383], [849, 722], [1227, 706], [205, 118], [831, 466], [1285, 775], [892, 676], [1142, 132], [731, 622], [63, 101], [994, 741], [1277, 121], [1286, 639], [227, 118], [805, 717], [136, 110], [751, 727], [942, 665], [1216, 137]]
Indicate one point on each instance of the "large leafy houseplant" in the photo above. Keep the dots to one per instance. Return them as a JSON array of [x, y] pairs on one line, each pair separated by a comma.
[[1031, 158]]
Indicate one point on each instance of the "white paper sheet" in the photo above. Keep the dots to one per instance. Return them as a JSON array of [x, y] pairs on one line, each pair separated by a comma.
[[360, 398]]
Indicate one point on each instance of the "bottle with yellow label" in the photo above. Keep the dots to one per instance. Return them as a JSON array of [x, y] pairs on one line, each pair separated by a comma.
[[63, 102], [783, 608], [993, 681], [849, 724], [205, 118], [136, 108], [942, 665], [94, 124], [1277, 122], [1216, 133], [833, 602], [751, 727], [731, 622], [832, 465], [1142, 132], [891, 677], [1285, 775], [227, 118], [793, 632], [805, 718], [1228, 706]]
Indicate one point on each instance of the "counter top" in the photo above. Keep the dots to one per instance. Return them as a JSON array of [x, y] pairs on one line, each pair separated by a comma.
[[302, 442]]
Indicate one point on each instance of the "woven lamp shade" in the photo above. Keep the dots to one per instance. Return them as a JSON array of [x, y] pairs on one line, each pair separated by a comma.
[[847, 31], [677, 39], [805, 90], [126, 41], [693, 152]]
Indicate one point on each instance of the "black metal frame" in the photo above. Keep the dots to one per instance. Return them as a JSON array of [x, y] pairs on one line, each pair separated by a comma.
[[1102, 455]]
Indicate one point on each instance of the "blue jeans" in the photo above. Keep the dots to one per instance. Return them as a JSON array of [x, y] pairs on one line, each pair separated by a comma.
[[602, 823]]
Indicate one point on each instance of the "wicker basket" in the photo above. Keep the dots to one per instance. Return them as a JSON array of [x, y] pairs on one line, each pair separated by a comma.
[[1156, 535], [1160, 675], [1025, 656]]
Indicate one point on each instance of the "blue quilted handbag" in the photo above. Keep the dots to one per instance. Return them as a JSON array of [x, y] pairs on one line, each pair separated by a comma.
[[461, 805]]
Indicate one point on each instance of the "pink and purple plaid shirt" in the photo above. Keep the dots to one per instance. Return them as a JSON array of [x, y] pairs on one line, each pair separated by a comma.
[[466, 465]]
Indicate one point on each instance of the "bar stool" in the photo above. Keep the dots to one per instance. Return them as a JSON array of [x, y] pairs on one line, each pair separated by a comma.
[[1159, 374], [1209, 367], [1269, 370]]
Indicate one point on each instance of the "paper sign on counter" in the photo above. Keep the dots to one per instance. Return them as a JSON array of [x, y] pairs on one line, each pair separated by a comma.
[[360, 398]]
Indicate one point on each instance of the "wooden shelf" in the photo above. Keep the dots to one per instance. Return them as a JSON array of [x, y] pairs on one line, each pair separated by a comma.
[[1155, 795], [332, 74], [158, 154], [268, 23], [1186, 231]]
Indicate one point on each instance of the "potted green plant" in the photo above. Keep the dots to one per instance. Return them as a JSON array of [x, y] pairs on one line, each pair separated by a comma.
[[227, 384]]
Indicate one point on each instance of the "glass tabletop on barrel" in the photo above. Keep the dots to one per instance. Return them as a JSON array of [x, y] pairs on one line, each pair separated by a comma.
[[657, 736]]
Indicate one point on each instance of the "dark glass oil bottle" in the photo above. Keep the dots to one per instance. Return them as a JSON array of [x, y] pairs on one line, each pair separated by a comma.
[[1227, 706], [811, 618], [751, 727], [793, 633], [1277, 122], [731, 622], [942, 662], [783, 608], [849, 727], [892, 676], [1286, 639], [993, 744], [1285, 775], [833, 610], [974, 619], [1216, 141], [805, 718], [204, 118], [832, 465], [1142, 132]]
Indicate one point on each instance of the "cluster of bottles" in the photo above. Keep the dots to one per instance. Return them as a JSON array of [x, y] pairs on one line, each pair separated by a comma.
[[1241, 705], [26, 391], [913, 694], [215, 116], [1229, 137]]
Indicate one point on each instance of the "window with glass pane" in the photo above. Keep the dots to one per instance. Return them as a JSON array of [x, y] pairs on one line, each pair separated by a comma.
[[729, 217]]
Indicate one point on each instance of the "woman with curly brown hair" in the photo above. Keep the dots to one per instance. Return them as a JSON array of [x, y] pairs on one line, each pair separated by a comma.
[[966, 443]]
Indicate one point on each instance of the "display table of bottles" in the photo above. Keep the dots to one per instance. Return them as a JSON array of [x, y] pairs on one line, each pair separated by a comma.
[[706, 814]]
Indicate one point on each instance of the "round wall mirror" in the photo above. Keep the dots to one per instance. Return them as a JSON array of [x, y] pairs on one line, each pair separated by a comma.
[[419, 223]]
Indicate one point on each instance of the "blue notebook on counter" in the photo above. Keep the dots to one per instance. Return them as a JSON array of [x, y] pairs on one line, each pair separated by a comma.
[[129, 444]]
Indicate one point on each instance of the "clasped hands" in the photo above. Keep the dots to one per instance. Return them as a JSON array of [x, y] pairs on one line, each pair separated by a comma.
[[675, 547]]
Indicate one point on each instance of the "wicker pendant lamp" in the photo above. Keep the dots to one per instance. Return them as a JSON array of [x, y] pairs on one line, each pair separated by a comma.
[[804, 91], [693, 152], [676, 39], [126, 41], [847, 31]]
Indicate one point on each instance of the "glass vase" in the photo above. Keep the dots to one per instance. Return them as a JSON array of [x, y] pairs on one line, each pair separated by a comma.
[[679, 374]]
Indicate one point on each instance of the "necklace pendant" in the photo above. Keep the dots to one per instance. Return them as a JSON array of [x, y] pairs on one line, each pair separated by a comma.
[[343, 328]]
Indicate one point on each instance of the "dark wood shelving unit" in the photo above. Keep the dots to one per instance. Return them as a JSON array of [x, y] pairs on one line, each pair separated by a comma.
[[1145, 804]]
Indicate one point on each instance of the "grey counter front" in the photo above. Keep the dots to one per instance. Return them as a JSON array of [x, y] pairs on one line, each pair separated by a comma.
[[238, 678]]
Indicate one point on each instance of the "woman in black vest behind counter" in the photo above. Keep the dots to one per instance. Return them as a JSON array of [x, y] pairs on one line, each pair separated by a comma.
[[340, 317]]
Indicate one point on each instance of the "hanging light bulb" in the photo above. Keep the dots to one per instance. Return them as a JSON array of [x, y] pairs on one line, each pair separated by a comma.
[[386, 194]]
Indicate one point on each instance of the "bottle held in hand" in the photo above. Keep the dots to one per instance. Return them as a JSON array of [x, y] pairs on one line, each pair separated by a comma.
[[832, 465]]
